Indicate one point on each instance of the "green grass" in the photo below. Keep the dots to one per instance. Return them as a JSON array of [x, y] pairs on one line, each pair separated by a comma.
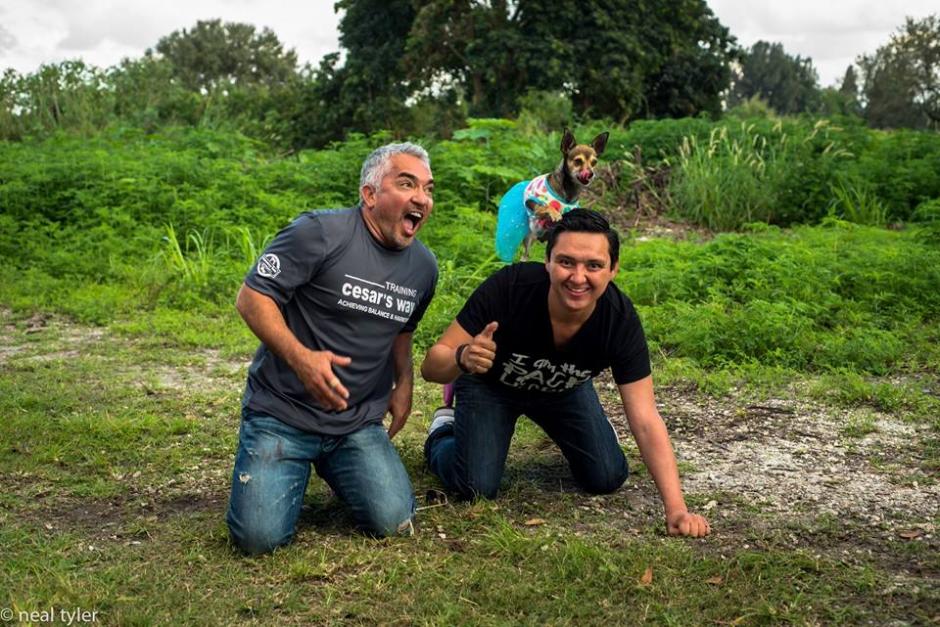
[[489, 570], [117, 440], [117, 453]]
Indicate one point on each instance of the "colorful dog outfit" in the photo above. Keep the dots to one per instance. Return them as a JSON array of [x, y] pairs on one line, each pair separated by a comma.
[[515, 218]]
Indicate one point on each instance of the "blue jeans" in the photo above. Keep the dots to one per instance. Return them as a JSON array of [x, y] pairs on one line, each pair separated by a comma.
[[470, 457], [272, 468]]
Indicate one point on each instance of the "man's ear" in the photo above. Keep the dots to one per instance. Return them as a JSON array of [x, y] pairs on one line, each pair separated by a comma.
[[368, 195]]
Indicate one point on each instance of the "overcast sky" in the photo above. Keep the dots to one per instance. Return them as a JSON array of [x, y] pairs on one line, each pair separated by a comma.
[[32, 32]]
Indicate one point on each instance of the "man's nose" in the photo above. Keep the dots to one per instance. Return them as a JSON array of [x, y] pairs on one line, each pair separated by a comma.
[[420, 197]]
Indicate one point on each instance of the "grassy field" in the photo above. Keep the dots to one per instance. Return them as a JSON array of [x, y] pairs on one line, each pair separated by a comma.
[[796, 357], [117, 455]]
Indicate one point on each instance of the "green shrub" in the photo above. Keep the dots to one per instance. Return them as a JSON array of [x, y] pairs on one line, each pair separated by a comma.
[[903, 169], [544, 111], [122, 223], [764, 170], [817, 298], [927, 211], [659, 140]]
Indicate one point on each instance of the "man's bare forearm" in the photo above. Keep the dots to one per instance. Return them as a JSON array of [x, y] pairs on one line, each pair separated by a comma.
[[402, 360], [653, 441], [313, 368], [439, 365], [264, 318]]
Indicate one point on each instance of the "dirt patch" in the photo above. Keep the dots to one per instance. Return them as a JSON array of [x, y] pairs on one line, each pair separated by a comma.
[[55, 338], [44, 337], [126, 519], [10, 343], [792, 456], [7, 351], [635, 200], [211, 373], [782, 473]]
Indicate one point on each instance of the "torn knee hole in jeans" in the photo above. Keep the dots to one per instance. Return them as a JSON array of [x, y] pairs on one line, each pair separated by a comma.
[[244, 477]]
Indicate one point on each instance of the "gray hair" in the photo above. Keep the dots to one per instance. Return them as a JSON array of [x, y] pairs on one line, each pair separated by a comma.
[[376, 164]]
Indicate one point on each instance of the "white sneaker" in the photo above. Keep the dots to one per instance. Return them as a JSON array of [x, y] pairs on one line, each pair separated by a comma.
[[442, 416]]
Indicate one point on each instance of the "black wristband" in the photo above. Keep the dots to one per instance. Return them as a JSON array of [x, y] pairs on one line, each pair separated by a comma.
[[458, 354]]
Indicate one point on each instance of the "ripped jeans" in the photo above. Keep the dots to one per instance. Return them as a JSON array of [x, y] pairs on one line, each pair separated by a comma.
[[272, 468]]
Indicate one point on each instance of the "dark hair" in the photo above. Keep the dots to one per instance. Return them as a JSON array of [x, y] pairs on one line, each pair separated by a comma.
[[585, 221]]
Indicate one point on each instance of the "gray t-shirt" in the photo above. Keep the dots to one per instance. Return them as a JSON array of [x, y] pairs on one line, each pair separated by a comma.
[[339, 290]]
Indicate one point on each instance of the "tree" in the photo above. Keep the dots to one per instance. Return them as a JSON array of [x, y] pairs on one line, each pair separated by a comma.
[[214, 55], [616, 58], [147, 94], [849, 86], [788, 84], [901, 80], [368, 91], [844, 99], [68, 95], [469, 47], [244, 78], [373, 90]]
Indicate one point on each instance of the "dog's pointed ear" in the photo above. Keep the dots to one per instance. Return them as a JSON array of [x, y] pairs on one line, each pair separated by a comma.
[[567, 141], [600, 142]]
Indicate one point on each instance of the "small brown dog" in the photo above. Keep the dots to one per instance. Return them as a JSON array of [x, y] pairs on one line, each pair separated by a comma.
[[529, 208]]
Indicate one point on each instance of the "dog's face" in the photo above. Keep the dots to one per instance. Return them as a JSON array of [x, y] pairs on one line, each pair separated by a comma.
[[581, 159]]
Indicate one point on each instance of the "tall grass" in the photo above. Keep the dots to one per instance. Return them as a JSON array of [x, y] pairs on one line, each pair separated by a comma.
[[250, 245], [854, 202], [724, 182], [192, 262], [746, 173]]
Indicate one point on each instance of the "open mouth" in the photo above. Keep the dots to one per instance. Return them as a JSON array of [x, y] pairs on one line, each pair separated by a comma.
[[585, 177], [412, 221]]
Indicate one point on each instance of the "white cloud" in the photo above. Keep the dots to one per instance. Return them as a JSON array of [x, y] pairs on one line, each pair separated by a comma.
[[103, 31], [7, 40], [833, 34]]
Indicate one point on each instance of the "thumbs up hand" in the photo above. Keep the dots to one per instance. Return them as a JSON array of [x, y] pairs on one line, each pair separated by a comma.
[[479, 354]]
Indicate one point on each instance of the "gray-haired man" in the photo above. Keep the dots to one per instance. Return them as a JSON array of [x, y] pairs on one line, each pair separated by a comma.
[[334, 300]]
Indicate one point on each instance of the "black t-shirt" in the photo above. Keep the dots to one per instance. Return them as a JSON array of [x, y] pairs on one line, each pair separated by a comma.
[[526, 357]]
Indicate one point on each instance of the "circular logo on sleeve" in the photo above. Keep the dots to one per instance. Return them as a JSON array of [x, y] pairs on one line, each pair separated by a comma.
[[269, 266]]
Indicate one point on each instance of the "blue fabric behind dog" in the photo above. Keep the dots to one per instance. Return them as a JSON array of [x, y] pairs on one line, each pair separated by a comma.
[[512, 222]]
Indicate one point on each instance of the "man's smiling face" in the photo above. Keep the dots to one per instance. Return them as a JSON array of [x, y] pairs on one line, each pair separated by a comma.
[[402, 203], [579, 270]]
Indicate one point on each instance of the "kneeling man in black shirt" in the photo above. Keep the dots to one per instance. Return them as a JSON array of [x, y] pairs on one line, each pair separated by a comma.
[[529, 341]]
